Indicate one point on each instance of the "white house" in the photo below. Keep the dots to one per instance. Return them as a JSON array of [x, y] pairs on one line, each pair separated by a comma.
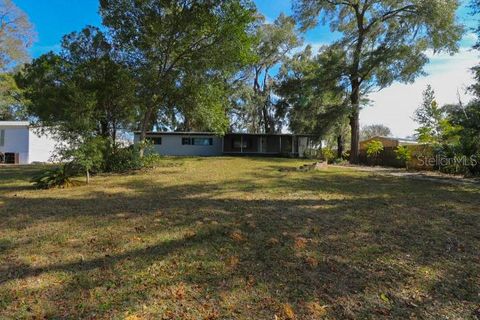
[[21, 143]]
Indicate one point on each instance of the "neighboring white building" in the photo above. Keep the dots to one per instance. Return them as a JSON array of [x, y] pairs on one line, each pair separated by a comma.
[[21, 143]]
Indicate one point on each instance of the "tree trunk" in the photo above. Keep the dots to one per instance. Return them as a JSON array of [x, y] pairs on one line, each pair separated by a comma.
[[355, 124], [143, 131], [340, 143], [87, 173]]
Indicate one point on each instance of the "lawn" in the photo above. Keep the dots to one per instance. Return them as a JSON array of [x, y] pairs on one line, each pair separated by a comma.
[[236, 238]]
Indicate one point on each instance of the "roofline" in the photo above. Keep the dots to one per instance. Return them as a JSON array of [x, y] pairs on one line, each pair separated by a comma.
[[179, 133], [14, 123]]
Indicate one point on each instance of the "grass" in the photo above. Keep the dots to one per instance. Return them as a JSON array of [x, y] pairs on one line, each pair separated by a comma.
[[235, 238]]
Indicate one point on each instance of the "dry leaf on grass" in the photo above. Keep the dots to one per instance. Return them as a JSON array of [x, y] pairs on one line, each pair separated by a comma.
[[237, 236], [316, 310], [311, 261], [232, 262], [288, 311], [300, 243]]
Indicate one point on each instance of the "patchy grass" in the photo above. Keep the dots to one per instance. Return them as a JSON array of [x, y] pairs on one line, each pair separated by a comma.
[[235, 238]]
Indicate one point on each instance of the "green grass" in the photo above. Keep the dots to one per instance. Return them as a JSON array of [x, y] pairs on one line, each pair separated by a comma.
[[235, 238]]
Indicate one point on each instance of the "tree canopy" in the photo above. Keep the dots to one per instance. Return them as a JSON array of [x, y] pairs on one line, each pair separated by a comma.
[[382, 41], [175, 48]]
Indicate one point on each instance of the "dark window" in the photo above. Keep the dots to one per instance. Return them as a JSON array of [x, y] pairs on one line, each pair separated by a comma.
[[186, 141], [10, 158], [155, 141], [238, 143], [202, 141]]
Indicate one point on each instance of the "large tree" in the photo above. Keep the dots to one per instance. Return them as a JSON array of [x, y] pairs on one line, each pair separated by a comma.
[[16, 35], [166, 41], [84, 90], [374, 130], [315, 99], [12, 101], [383, 41], [255, 107]]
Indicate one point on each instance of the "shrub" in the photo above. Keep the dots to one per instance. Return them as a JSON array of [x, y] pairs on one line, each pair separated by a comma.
[[374, 148], [59, 177], [123, 159], [328, 154], [403, 154]]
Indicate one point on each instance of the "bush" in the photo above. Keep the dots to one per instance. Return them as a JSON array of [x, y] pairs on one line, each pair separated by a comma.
[[374, 148], [328, 155], [123, 159], [403, 154], [59, 177]]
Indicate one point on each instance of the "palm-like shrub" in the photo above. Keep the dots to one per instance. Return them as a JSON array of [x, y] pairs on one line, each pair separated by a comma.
[[59, 177]]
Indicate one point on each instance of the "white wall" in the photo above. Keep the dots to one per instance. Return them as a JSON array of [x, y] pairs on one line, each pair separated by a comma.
[[41, 146], [16, 141]]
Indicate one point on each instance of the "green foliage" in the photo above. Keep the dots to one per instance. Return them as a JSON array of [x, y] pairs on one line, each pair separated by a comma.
[[374, 148], [82, 91], [59, 177], [382, 42], [123, 159], [174, 49], [312, 94], [328, 155], [403, 154], [87, 155], [12, 102], [254, 104]]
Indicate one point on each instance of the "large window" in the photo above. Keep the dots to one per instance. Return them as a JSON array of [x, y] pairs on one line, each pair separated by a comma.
[[202, 141], [2, 138], [197, 141]]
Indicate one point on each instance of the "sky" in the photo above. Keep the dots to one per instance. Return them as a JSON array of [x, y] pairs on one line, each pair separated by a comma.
[[394, 106]]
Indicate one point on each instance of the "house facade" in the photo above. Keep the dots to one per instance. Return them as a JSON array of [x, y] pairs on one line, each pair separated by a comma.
[[209, 144], [21, 143]]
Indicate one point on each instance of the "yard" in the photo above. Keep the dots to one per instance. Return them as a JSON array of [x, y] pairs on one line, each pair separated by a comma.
[[236, 238]]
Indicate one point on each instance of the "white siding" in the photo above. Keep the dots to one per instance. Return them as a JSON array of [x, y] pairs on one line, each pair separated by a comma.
[[41, 146], [16, 141]]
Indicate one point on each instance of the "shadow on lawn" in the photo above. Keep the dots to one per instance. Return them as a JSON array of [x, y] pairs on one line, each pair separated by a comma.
[[367, 247]]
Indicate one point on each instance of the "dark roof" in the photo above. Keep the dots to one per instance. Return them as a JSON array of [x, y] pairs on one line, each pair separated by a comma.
[[169, 133]]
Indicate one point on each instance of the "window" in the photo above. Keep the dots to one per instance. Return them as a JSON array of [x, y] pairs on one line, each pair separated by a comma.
[[186, 141], [202, 141], [239, 144], [2, 138], [155, 141]]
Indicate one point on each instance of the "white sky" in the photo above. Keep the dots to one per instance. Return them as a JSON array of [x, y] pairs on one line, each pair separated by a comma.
[[448, 76]]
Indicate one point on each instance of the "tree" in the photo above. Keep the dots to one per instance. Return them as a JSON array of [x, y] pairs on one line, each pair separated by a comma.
[[84, 90], [256, 107], [12, 101], [382, 41], [313, 97], [16, 35], [165, 41], [375, 130], [435, 126]]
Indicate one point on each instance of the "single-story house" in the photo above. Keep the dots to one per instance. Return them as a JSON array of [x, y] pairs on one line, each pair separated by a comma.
[[21, 143], [388, 142], [210, 144]]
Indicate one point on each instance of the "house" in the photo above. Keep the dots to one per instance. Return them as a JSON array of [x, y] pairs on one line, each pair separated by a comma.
[[388, 142], [210, 144], [21, 143]]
